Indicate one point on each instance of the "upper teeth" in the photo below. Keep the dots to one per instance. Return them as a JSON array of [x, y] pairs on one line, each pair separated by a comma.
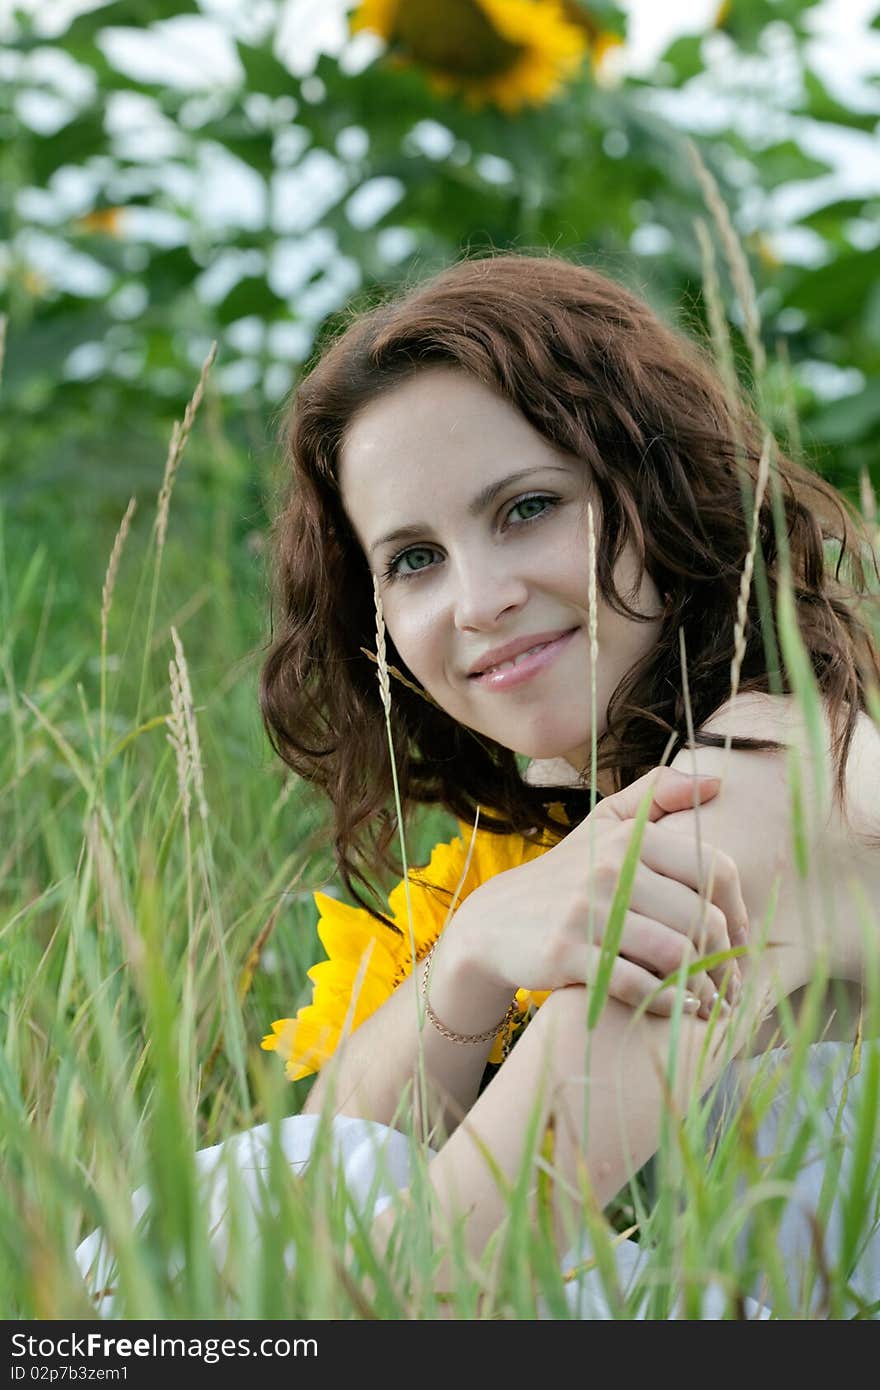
[[505, 664]]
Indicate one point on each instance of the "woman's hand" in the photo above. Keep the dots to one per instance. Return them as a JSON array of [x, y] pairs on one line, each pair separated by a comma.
[[530, 926]]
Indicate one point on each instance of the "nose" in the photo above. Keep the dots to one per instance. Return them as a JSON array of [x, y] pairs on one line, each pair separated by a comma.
[[485, 591]]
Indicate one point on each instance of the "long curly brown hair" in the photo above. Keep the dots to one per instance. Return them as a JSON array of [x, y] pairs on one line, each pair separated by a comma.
[[591, 367]]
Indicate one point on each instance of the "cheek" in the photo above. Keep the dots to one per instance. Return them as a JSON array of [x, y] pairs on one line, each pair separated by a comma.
[[415, 639]]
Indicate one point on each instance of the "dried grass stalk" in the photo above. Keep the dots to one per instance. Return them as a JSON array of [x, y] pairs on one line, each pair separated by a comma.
[[113, 566], [184, 735], [399, 676], [745, 583], [179, 435], [736, 260], [714, 311], [176, 736], [381, 656]]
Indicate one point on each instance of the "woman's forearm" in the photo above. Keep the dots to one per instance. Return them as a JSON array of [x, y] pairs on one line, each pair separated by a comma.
[[377, 1066], [605, 1104]]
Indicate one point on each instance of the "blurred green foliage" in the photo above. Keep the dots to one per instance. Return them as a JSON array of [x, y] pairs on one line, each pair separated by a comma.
[[116, 276], [599, 173]]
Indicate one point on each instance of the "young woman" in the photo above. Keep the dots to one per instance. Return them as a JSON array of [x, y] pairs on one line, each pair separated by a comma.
[[462, 452]]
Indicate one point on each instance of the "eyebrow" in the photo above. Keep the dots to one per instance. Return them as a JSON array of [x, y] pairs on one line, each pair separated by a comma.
[[478, 504]]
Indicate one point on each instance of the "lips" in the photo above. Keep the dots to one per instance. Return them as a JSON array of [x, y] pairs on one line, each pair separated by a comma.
[[512, 662], [511, 650], [515, 675]]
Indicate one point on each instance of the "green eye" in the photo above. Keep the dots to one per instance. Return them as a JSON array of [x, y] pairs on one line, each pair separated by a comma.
[[416, 550], [540, 504], [395, 572], [530, 501]]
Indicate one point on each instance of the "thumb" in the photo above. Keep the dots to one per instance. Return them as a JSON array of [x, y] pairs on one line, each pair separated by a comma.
[[673, 791]]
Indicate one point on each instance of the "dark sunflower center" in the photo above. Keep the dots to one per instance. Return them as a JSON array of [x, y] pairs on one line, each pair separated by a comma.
[[454, 36]]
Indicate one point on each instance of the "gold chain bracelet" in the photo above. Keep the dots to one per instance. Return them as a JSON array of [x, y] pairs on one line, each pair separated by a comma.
[[490, 1033]]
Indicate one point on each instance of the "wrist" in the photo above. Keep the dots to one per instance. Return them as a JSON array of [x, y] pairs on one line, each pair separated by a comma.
[[488, 1035], [461, 992]]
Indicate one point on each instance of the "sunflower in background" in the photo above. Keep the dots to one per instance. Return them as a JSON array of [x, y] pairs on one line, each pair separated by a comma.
[[366, 961], [508, 53]]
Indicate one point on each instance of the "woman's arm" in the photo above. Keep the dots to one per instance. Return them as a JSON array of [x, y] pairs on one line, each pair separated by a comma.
[[528, 927], [618, 1084], [374, 1073], [818, 921], [605, 1105]]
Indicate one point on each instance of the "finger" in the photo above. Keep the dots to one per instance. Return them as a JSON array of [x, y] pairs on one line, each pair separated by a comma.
[[674, 854], [678, 791], [633, 985], [680, 908], [654, 945], [724, 887], [665, 953], [727, 979], [700, 997], [672, 791]]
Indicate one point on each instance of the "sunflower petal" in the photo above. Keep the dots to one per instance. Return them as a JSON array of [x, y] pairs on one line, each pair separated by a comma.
[[347, 933]]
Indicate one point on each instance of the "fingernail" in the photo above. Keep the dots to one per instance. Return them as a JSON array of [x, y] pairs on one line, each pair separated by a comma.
[[708, 1005], [691, 1004]]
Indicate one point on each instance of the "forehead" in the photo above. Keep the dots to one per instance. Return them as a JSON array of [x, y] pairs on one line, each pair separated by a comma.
[[438, 428], [437, 403]]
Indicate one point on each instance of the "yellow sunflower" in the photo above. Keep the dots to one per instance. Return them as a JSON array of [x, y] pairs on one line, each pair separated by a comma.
[[511, 53], [361, 948], [600, 41]]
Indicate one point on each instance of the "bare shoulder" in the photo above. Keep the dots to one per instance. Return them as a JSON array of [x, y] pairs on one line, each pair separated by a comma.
[[780, 718], [750, 817], [802, 862]]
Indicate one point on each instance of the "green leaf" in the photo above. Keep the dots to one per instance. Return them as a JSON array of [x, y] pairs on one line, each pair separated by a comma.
[[610, 17], [252, 295], [252, 147], [75, 143], [169, 272], [822, 106], [786, 162], [685, 57], [746, 20], [835, 294], [264, 72], [849, 419], [134, 14], [39, 349]]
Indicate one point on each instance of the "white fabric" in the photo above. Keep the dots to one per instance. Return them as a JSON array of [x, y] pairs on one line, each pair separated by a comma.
[[839, 1107], [376, 1160]]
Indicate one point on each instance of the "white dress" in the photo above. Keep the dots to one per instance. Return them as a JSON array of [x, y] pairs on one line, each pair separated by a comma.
[[376, 1159]]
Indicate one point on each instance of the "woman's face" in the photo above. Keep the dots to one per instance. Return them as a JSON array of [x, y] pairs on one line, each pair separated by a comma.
[[477, 528]]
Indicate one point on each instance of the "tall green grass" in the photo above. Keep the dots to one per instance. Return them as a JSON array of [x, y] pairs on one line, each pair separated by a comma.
[[155, 893]]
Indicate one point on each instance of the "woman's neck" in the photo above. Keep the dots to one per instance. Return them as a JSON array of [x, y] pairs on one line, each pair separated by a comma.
[[559, 772]]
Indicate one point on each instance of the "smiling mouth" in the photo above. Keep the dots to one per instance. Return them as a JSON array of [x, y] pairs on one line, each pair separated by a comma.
[[521, 668], [514, 661]]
